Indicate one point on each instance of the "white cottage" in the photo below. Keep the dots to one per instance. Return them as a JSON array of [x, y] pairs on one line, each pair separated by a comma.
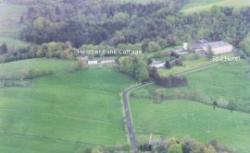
[[157, 64]]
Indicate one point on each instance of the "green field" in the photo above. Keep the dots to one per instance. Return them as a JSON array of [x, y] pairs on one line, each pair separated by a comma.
[[187, 65], [201, 5], [17, 68], [62, 113], [183, 118], [187, 119], [229, 81]]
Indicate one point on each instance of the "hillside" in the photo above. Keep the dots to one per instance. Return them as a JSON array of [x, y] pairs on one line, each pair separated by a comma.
[[187, 112], [64, 112], [187, 119], [198, 5], [79, 76]]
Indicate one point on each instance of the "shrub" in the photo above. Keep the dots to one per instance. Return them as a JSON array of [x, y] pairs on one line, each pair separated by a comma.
[[178, 62], [31, 74], [175, 148], [171, 81], [3, 48], [168, 65], [79, 65], [159, 95], [153, 47], [232, 107]]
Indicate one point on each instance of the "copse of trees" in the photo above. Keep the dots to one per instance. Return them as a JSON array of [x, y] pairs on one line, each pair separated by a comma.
[[169, 81], [135, 66]]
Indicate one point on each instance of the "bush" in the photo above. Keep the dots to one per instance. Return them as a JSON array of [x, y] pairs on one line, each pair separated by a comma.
[[168, 65], [31, 74], [178, 62], [3, 48], [170, 81], [232, 107], [159, 95], [79, 65], [153, 47], [175, 148]]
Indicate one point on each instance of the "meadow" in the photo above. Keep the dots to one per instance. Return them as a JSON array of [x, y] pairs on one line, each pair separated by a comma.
[[62, 113], [224, 81], [17, 68], [183, 118], [229, 81], [190, 120], [187, 65]]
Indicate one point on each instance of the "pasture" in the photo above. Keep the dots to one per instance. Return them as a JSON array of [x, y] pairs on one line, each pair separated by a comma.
[[186, 119], [183, 118], [64, 112], [227, 81], [17, 68], [187, 65]]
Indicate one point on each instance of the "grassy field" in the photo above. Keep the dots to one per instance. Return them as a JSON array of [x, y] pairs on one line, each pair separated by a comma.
[[230, 82], [187, 119], [187, 65], [62, 113], [198, 5], [17, 68]]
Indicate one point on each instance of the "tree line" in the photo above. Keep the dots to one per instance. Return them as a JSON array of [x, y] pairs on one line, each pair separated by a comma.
[[169, 146]]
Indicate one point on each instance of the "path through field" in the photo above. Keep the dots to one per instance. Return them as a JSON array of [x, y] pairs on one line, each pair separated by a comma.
[[128, 116]]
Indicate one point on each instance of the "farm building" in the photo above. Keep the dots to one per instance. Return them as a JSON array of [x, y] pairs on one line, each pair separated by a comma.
[[180, 51], [157, 64], [217, 47], [110, 61], [92, 62]]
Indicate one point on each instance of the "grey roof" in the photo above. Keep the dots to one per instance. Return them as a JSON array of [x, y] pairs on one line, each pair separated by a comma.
[[215, 44]]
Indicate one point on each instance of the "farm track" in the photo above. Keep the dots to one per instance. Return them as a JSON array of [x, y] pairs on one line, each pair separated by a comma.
[[196, 69], [127, 110], [128, 116]]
